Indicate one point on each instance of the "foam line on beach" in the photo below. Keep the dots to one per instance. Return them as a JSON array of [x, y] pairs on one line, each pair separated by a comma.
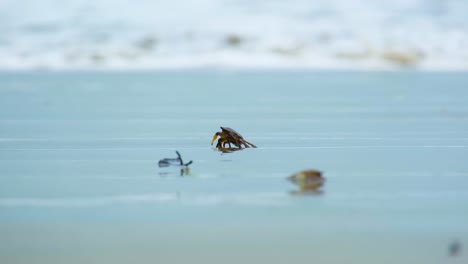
[[386, 146], [201, 148], [376, 118], [86, 202], [216, 199], [246, 199], [201, 137]]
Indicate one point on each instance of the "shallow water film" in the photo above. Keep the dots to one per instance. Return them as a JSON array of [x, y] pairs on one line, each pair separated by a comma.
[[80, 180]]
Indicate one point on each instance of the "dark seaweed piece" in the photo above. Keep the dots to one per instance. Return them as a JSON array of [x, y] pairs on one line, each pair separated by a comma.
[[173, 162], [180, 159]]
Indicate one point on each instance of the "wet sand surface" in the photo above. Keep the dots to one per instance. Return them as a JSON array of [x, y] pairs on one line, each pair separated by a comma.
[[80, 182]]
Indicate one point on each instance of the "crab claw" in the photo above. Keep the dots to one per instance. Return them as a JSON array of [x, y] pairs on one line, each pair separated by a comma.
[[214, 138]]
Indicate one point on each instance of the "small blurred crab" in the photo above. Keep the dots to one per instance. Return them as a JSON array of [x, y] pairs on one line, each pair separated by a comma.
[[229, 136], [308, 181]]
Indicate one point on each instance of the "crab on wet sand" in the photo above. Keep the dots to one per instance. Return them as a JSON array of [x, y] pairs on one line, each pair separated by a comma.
[[308, 180], [229, 136]]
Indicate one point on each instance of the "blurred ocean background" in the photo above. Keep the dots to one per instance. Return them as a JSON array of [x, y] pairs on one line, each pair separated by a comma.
[[321, 34]]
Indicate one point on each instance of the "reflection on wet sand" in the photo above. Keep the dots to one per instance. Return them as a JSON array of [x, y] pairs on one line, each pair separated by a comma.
[[228, 150], [306, 192], [184, 171]]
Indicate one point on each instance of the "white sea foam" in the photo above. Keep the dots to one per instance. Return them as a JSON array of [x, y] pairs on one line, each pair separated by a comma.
[[325, 34]]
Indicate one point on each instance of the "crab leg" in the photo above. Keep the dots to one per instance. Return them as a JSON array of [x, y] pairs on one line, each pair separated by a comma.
[[214, 138], [248, 144]]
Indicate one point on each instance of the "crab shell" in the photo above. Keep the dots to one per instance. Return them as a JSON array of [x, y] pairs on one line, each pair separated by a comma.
[[232, 135], [231, 131]]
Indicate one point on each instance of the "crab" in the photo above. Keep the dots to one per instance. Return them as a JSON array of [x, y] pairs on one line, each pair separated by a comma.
[[229, 136], [308, 180]]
